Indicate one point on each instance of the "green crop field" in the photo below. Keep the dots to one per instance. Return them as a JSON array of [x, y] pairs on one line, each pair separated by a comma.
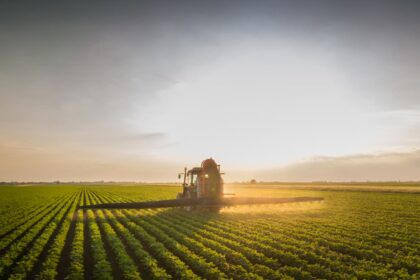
[[357, 232]]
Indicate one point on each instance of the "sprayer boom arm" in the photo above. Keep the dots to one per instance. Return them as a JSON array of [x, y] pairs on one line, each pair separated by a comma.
[[206, 202]]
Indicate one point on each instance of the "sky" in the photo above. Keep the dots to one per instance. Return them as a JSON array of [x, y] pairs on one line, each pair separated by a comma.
[[273, 90]]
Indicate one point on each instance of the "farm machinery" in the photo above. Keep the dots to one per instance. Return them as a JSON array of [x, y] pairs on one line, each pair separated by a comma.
[[203, 188]]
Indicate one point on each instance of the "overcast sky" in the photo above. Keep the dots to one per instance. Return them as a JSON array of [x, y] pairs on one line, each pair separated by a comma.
[[276, 90]]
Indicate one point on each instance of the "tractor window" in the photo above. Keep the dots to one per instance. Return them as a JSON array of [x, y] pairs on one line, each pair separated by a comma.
[[194, 178]]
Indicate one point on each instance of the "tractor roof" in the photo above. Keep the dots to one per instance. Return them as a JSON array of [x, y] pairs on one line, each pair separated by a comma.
[[195, 170]]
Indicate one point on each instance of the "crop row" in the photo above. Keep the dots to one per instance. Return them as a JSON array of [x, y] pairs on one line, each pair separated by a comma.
[[295, 247], [172, 264], [21, 258], [158, 251], [280, 246], [58, 241], [146, 263], [49, 267], [20, 230], [242, 262], [19, 216], [21, 247], [198, 263], [76, 257], [324, 246], [236, 265]]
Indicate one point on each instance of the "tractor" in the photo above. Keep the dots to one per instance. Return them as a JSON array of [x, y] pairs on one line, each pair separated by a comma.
[[203, 182], [203, 188]]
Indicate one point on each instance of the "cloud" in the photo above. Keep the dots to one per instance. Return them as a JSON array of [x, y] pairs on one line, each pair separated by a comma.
[[84, 82], [30, 164], [391, 166]]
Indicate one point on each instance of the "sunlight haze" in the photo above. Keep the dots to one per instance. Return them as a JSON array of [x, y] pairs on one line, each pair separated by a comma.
[[273, 91]]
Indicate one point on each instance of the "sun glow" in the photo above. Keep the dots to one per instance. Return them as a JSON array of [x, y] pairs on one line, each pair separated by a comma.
[[275, 209], [264, 107]]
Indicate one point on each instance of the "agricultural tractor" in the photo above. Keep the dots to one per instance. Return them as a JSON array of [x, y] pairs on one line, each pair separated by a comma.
[[203, 182], [203, 188]]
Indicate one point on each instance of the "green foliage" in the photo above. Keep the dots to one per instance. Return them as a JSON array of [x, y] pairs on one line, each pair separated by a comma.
[[352, 235]]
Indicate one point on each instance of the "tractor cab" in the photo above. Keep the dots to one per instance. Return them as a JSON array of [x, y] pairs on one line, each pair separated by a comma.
[[202, 182]]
